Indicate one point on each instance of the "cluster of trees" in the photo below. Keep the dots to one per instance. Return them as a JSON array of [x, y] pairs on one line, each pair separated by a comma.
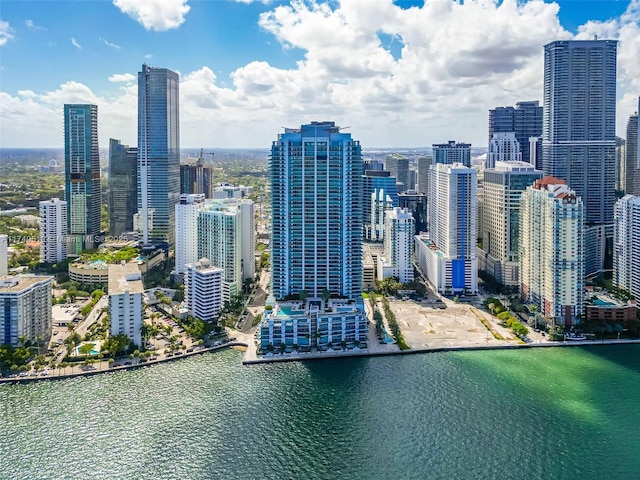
[[196, 327], [117, 345], [393, 325], [12, 358], [112, 255], [391, 286], [95, 296], [507, 320]]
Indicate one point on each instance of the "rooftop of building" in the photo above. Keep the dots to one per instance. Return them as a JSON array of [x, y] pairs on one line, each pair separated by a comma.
[[204, 265], [16, 284], [125, 277]]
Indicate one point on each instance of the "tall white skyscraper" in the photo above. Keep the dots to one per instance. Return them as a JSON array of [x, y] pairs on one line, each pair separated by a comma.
[[203, 290], [552, 250], [125, 301], [53, 230], [503, 147], [626, 246], [187, 230], [399, 230], [158, 152], [448, 255]]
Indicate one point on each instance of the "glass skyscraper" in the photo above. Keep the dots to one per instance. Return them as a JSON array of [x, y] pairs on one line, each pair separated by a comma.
[[82, 176], [158, 152], [316, 189], [525, 120], [122, 198], [578, 134]]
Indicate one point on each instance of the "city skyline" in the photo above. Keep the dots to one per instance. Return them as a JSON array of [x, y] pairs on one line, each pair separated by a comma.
[[249, 66]]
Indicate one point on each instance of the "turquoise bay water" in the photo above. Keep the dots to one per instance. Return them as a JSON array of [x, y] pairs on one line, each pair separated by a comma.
[[565, 413]]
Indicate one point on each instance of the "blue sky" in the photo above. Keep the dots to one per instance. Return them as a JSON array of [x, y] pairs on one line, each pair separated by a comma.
[[400, 73]]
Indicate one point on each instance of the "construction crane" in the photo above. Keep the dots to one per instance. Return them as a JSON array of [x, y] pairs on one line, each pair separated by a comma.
[[202, 154]]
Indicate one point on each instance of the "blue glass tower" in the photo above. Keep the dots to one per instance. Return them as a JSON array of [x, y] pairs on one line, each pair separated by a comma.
[[316, 188], [158, 153], [82, 176]]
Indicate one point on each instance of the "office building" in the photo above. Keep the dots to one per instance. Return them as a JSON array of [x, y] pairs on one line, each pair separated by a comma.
[[499, 250], [82, 176], [398, 246], [226, 237], [316, 191], [53, 230], [552, 250], [125, 301], [621, 158], [123, 186], [626, 251], [203, 290], [158, 152], [578, 138], [416, 203], [424, 162], [447, 255], [25, 309], [503, 147], [377, 185], [398, 167], [196, 178], [632, 159], [452, 152], [525, 121], [186, 244]]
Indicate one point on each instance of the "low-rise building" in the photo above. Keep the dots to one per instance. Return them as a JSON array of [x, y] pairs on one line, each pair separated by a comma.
[[609, 310]]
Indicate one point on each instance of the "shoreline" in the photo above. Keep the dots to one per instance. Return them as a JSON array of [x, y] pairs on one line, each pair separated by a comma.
[[299, 357]]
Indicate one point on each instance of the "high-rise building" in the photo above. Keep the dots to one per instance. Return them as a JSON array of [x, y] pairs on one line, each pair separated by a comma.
[[82, 176], [525, 121], [383, 185], [578, 137], [158, 152], [187, 230], [398, 246], [125, 301], [4, 246], [203, 290], [452, 152], [503, 147], [398, 166], [316, 191], [226, 237], [621, 158], [53, 230], [499, 253], [447, 256], [632, 158], [25, 308], [424, 162], [626, 251], [552, 250], [416, 203], [123, 187], [197, 177]]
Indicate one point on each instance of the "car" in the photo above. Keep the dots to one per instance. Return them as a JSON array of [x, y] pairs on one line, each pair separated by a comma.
[[169, 355], [543, 334], [189, 350], [127, 363], [178, 352], [55, 333]]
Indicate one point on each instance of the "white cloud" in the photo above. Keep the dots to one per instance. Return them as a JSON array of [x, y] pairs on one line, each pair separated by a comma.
[[109, 44], [122, 77], [158, 15], [457, 61], [148, 56], [75, 43], [33, 26], [5, 33], [266, 2]]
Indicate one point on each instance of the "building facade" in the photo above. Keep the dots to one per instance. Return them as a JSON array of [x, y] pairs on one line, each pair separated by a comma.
[[552, 250], [82, 176], [452, 152], [525, 121], [377, 185], [499, 253], [578, 135], [25, 309], [4, 255], [203, 290], [447, 256], [53, 230], [503, 147], [125, 301], [632, 158], [186, 244], [158, 152], [399, 231], [316, 191], [626, 251], [398, 167], [123, 186], [424, 162]]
